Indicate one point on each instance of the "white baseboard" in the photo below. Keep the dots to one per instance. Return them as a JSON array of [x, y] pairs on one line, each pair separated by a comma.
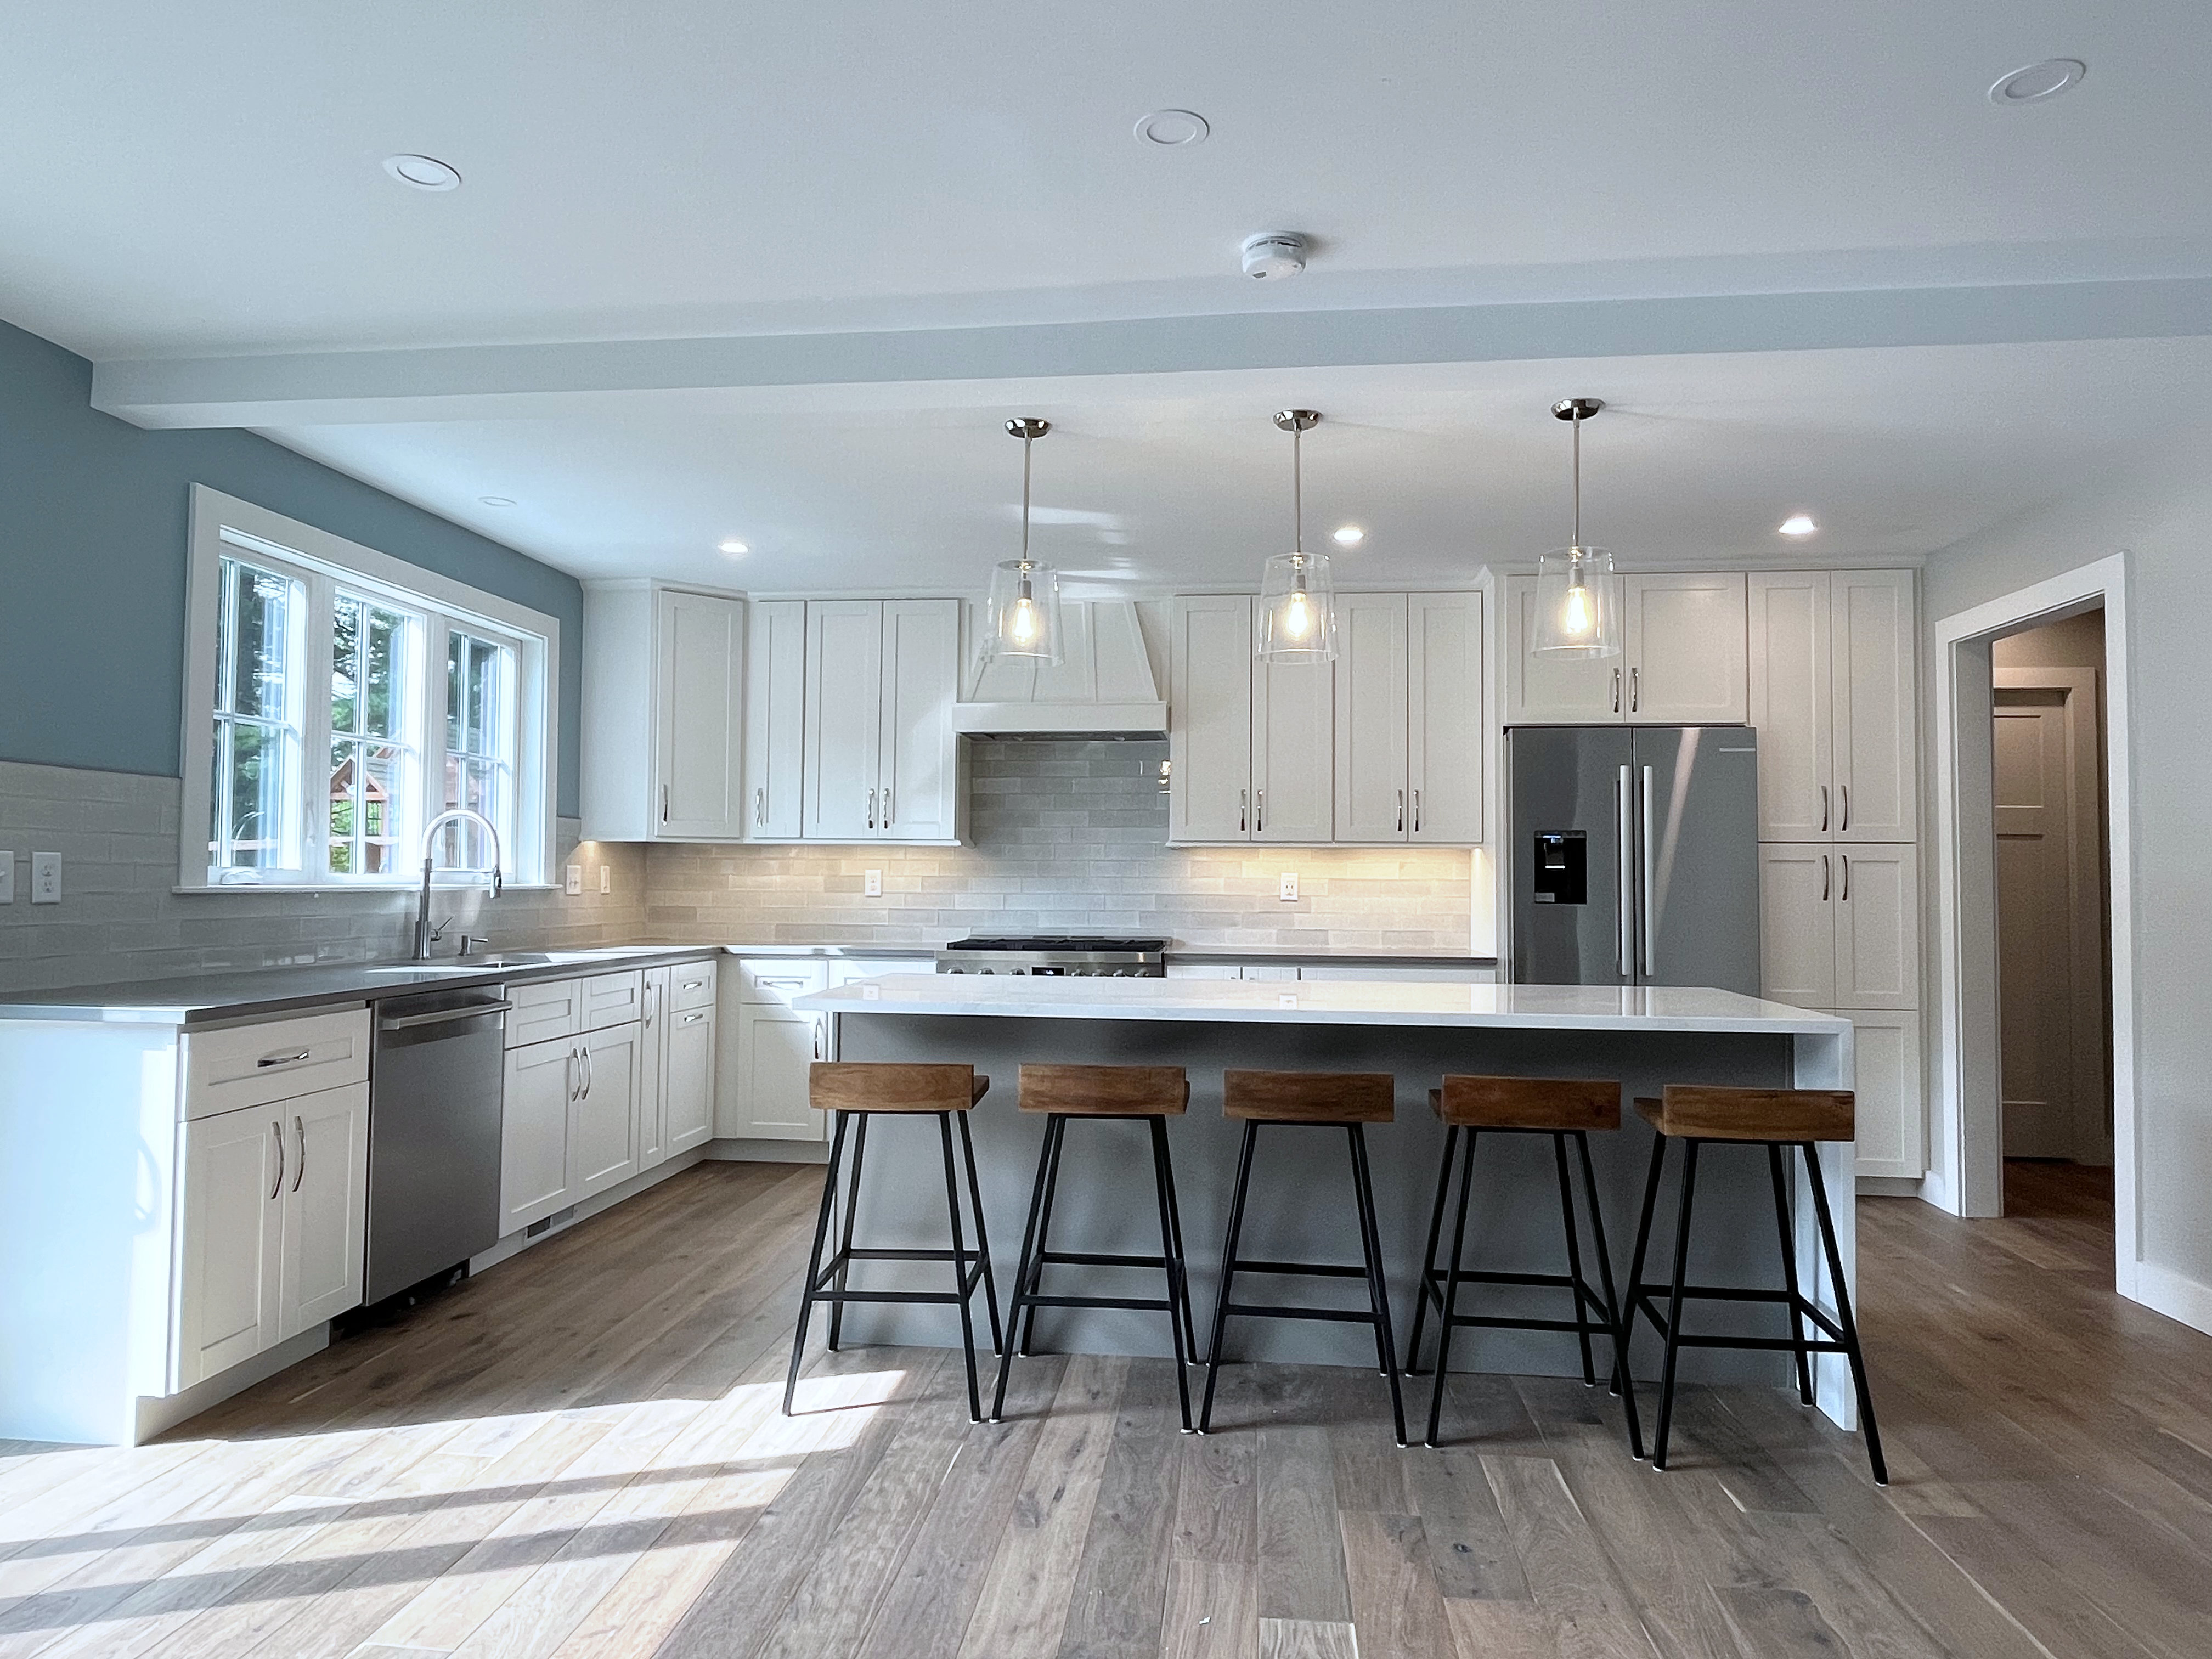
[[769, 1151], [2176, 1295], [515, 1243]]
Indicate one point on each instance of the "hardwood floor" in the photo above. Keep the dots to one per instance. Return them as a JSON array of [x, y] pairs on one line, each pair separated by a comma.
[[580, 1454]]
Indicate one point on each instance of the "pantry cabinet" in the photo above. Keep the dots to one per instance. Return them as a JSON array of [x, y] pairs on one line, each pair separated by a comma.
[[881, 759], [662, 739], [1683, 658], [1840, 927]]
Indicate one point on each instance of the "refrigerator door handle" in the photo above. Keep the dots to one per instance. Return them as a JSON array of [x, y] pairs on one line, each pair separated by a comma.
[[1626, 928], [1650, 953]]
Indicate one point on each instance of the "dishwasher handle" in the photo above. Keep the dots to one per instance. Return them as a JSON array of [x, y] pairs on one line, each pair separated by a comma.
[[442, 1016]]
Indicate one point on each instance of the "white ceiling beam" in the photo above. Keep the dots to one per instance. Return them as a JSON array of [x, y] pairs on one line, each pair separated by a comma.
[[492, 382]]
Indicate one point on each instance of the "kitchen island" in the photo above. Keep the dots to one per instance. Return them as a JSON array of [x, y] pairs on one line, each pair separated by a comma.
[[1644, 1037]]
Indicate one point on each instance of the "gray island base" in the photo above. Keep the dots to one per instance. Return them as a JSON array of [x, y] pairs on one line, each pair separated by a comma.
[[1301, 1208]]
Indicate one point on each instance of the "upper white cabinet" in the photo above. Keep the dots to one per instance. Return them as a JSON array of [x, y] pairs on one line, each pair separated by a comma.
[[776, 718], [1832, 693], [664, 682], [1409, 727], [1683, 660], [1384, 745], [881, 760]]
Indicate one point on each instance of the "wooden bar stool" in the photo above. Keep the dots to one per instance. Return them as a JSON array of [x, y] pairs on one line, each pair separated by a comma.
[[1776, 1119], [1145, 1094], [854, 1093], [1349, 1101], [1565, 1110]]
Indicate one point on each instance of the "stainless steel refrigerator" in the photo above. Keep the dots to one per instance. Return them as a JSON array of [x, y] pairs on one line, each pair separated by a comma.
[[1635, 855]]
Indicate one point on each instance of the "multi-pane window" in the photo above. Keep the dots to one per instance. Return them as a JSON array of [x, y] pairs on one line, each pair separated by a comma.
[[341, 700]]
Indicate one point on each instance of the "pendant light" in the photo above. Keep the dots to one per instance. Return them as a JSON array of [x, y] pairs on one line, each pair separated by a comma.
[[1298, 596], [1024, 608], [1578, 611]]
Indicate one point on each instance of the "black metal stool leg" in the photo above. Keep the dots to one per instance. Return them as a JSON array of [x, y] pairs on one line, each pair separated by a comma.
[[960, 1267], [1774, 1169], [1055, 1135], [1021, 1286], [1159, 1138], [1423, 1290], [1622, 1385], [1378, 1286], [1228, 1272], [1574, 1259], [1182, 1258], [1851, 1349], [845, 1247], [814, 1262], [982, 1237], [1675, 1307], [1450, 1304]]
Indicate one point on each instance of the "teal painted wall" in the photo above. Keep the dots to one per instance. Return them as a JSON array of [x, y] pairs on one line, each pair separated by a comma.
[[94, 516]]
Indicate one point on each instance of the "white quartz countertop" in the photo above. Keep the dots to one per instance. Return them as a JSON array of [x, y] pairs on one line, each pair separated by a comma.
[[1445, 1003]]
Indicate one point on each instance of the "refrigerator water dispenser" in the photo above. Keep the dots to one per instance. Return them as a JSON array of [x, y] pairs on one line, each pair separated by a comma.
[[1562, 866]]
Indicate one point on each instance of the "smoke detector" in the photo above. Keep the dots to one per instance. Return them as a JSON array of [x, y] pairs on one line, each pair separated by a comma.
[[1274, 253]]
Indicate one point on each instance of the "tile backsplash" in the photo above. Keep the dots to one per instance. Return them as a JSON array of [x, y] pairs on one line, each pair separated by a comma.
[[1066, 836], [120, 919]]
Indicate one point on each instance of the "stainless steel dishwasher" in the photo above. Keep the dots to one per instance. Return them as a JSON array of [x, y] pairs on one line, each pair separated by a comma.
[[434, 1133]]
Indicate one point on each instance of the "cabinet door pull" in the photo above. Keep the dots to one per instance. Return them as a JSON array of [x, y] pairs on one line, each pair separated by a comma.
[[590, 1071], [887, 806], [872, 809], [1402, 811], [817, 1039], [663, 803], [568, 1074], [1416, 811], [277, 1129], [693, 1018], [1259, 812], [1824, 809], [1243, 797], [1635, 689], [1823, 878], [300, 1138], [1616, 690], [284, 1060], [1846, 894], [1844, 824], [760, 808]]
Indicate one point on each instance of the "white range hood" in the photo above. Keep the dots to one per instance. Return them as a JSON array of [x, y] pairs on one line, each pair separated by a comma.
[[1102, 687]]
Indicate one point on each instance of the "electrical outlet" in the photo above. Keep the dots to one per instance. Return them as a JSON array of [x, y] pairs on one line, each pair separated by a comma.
[[1290, 886], [575, 884], [606, 878], [7, 877], [871, 884], [45, 877]]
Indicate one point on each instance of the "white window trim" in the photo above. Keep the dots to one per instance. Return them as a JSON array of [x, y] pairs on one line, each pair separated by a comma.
[[536, 637]]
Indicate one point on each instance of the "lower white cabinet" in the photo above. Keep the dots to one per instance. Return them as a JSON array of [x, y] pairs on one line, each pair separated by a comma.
[[687, 1080], [603, 1134], [1839, 927], [763, 1093], [533, 1157], [1893, 1133], [274, 1203]]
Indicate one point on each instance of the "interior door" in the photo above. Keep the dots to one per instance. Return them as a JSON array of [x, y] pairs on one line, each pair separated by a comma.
[[1371, 711], [700, 685], [1209, 720], [918, 751], [776, 718], [844, 717], [325, 1207], [2035, 925], [1447, 738]]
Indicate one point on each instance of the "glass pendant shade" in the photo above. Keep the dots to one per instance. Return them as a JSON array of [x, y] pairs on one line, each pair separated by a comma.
[[1297, 609], [1023, 613], [1577, 604]]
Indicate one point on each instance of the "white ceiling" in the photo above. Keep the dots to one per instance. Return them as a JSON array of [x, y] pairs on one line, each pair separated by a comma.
[[204, 182]]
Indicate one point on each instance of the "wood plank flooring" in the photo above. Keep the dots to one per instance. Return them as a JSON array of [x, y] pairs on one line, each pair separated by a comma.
[[579, 1456]]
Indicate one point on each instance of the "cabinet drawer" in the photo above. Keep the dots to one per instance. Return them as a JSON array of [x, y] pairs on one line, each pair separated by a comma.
[[544, 1010], [779, 982], [253, 1064], [691, 985], [613, 999]]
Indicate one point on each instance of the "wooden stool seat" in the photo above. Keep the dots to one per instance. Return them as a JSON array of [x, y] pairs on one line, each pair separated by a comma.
[[835, 1085], [1309, 1096], [1149, 1095], [1693, 1112], [1560, 1105], [1105, 1091]]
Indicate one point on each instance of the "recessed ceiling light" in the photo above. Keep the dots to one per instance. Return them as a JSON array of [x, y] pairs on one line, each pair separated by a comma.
[[1172, 129], [422, 171], [1347, 535], [735, 548], [1797, 524], [496, 501], [2038, 82]]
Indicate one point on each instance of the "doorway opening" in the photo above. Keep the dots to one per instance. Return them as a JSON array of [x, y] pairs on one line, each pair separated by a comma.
[[2050, 805]]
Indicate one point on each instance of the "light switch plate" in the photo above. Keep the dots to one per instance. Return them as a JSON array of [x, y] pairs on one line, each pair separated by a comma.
[[7, 877], [45, 877], [575, 884], [871, 884], [1290, 886], [606, 878]]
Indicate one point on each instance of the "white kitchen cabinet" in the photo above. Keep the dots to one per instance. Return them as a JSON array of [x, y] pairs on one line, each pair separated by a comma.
[[1446, 738], [543, 1010], [653, 1145], [1683, 658], [664, 684], [613, 999], [539, 1087], [1293, 752], [686, 1092], [1209, 718], [1832, 693], [271, 1240], [1893, 1131], [1373, 676], [763, 1093], [1797, 923], [775, 720], [882, 762], [603, 1131], [1839, 927], [325, 1208]]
